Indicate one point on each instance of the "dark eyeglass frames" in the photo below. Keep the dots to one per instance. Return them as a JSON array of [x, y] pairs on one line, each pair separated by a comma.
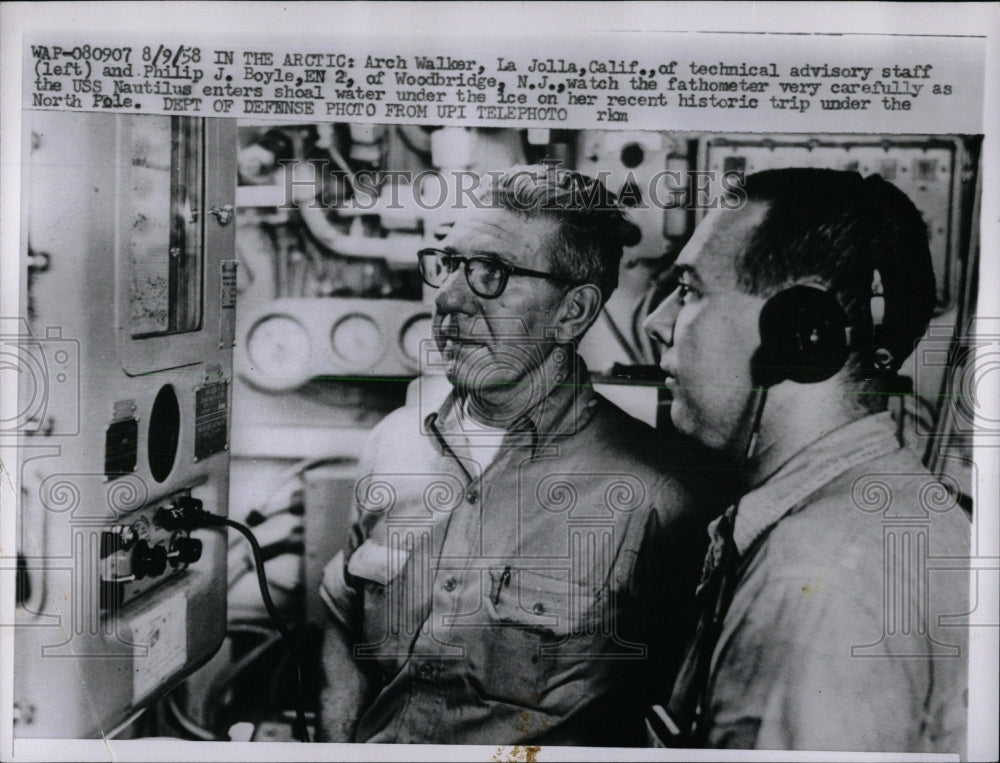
[[486, 276]]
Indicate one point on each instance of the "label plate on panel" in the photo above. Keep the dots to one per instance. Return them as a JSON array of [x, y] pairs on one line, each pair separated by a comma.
[[121, 440], [211, 427], [159, 636]]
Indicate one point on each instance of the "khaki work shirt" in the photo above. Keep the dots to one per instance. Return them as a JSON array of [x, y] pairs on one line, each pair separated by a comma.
[[535, 600], [848, 628]]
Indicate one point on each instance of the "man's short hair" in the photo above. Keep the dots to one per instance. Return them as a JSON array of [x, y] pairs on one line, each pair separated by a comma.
[[593, 227], [837, 228]]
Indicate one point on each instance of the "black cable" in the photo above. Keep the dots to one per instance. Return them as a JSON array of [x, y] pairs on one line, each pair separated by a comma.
[[188, 513], [274, 688], [235, 669], [620, 337], [247, 626], [256, 517], [258, 560], [752, 440], [301, 728], [192, 728]]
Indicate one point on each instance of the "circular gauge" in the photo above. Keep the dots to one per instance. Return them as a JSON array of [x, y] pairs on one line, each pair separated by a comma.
[[357, 341], [279, 352], [414, 333]]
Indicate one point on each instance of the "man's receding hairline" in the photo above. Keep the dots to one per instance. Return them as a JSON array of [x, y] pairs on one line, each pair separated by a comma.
[[728, 230], [484, 224]]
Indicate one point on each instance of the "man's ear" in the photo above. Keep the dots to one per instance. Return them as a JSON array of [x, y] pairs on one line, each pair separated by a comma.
[[579, 309]]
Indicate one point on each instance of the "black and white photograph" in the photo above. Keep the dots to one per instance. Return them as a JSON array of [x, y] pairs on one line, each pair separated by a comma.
[[618, 391]]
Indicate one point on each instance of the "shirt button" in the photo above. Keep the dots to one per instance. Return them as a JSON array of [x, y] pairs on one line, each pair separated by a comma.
[[450, 584], [426, 671], [539, 608], [472, 495]]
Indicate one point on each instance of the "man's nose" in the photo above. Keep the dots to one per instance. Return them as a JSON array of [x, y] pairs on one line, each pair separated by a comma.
[[454, 294], [659, 324]]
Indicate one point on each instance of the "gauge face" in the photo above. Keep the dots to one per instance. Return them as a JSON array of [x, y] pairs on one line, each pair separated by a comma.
[[357, 340], [416, 331], [279, 351]]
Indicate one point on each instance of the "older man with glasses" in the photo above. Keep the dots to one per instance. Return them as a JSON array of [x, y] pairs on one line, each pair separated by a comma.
[[521, 568]]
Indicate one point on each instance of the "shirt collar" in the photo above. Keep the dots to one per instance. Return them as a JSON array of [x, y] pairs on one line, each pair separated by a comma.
[[810, 469], [475, 426], [559, 414]]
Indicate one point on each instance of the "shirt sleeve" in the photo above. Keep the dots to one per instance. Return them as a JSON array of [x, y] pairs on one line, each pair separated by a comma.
[[338, 589], [340, 596], [785, 676]]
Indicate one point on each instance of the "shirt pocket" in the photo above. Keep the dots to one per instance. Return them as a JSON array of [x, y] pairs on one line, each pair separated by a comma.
[[533, 651], [378, 568]]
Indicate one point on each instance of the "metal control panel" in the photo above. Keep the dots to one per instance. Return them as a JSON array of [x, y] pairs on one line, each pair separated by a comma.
[[129, 313]]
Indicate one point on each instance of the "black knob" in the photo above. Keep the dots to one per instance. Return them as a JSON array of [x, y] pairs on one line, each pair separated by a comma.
[[148, 560], [189, 503], [184, 550]]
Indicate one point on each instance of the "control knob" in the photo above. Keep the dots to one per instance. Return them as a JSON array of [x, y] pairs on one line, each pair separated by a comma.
[[184, 550], [148, 560]]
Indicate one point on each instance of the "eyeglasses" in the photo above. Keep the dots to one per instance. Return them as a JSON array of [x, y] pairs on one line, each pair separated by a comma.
[[486, 276]]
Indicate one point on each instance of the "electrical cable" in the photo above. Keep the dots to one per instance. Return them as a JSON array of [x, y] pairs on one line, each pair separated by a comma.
[[235, 669], [712, 618], [246, 626], [188, 513], [125, 724], [296, 470], [288, 545], [752, 440], [256, 518], [274, 688], [258, 559], [285, 714], [192, 728], [301, 729], [620, 337], [291, 543]]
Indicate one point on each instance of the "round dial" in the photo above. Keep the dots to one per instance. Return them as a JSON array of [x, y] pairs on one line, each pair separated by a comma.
[[416, 331], [279, 351], [358, 341]]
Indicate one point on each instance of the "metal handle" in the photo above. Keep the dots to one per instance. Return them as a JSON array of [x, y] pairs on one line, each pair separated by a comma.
[[223, 214]]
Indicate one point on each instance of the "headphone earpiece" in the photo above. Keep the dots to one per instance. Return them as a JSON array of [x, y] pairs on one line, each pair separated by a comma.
[[803, 337]]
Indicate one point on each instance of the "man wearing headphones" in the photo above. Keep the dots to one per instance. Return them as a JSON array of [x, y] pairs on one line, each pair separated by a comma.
[[823, 625]]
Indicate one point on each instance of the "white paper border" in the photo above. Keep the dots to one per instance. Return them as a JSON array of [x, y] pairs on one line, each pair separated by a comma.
[[326, 20]]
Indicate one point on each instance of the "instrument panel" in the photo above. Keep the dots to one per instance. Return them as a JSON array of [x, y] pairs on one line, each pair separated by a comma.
[[291, 340]]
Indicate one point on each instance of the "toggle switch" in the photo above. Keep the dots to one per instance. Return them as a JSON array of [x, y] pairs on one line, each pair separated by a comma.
[[118, 538]]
